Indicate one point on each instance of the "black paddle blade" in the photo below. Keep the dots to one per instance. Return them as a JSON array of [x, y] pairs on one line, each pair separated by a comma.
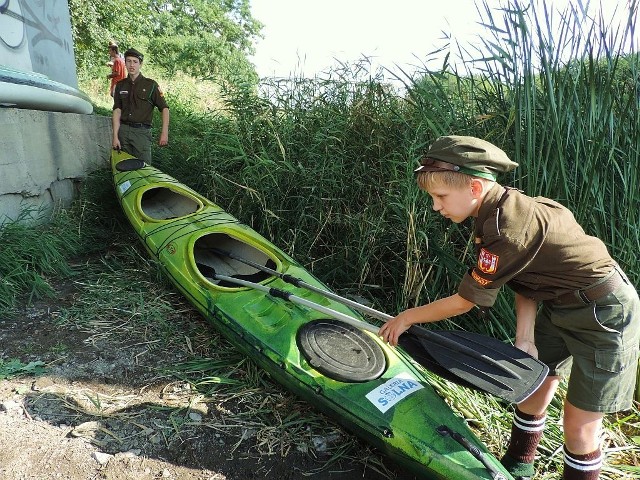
[[481, 362], [419, 354]]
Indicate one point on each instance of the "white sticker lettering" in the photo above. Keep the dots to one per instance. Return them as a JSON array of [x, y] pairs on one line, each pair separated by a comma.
[[392, 391]]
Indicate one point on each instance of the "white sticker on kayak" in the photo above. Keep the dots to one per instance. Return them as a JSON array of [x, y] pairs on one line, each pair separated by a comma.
[[124, 186], [391, 392]]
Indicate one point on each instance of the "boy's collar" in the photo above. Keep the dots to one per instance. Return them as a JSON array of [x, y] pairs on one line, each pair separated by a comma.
[[489, 200]]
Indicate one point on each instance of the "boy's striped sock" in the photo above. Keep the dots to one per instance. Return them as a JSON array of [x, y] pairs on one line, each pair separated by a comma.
[[582, 467], [526, 433]]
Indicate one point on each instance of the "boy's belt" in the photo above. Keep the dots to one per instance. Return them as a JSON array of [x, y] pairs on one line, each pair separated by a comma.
[[593, 292], [136, 125]]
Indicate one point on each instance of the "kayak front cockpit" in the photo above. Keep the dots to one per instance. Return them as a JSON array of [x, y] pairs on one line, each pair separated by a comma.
[[163, 203]]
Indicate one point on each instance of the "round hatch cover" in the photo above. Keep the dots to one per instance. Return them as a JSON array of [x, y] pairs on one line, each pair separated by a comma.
[[341, 351], [129, 164]]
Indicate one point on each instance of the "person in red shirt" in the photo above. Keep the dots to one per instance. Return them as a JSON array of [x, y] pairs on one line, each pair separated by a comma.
[[118, 69]]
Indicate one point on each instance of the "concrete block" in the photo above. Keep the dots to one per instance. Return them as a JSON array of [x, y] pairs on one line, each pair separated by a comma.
[[45, 155]]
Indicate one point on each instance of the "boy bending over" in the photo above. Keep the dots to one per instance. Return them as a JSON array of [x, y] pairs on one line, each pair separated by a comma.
[[575, 308]]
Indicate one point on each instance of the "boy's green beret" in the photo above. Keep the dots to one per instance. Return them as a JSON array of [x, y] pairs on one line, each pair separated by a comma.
[[132, 52], [469, 155]]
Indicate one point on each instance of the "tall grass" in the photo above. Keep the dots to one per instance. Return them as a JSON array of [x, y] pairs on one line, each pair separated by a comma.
[[569, 108], [323, 166]]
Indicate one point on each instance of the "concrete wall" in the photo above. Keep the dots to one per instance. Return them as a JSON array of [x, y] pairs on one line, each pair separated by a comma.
[[45, 155]]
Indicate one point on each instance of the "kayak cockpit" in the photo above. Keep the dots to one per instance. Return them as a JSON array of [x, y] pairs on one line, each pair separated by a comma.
[[222, 254], [163, 203], [335, 349]]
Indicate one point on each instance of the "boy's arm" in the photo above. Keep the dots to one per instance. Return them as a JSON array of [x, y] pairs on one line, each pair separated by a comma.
[[526, 311], [432, 312], [164, 132], [115, 126]]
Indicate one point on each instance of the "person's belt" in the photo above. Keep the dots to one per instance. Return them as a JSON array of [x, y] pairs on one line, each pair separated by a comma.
[[136, 125], [593, 292]]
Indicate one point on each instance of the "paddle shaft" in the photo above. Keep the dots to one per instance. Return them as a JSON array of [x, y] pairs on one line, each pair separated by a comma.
[[425, 335], [276, 292], [298, 282]]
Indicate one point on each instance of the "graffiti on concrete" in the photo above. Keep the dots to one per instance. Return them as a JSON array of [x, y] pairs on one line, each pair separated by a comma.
[[34, 21], [35, 35]]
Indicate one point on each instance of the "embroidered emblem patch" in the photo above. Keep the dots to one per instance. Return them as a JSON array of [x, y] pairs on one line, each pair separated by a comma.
[[487, 261], [482, 281]]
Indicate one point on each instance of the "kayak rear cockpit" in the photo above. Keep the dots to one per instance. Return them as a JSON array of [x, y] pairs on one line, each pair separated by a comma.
[[164, 203], [335, 349], [213, 255]]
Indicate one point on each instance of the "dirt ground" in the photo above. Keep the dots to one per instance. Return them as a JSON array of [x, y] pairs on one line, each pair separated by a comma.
[[104, 409]]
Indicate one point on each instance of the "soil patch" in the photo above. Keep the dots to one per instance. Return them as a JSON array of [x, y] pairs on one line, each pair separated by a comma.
[[106, 408]]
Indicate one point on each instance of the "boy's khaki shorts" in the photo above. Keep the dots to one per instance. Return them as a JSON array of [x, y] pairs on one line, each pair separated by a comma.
[[136, 142], [597, 346]]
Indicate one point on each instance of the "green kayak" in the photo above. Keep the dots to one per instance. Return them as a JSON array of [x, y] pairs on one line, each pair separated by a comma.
[[370, 388]]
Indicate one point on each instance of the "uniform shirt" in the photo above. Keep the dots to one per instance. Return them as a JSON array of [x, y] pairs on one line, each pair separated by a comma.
[[532, 245], [137, 99]]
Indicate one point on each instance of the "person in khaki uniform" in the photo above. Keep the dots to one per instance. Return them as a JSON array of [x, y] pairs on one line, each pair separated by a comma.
[[575, 309], [134, 99]]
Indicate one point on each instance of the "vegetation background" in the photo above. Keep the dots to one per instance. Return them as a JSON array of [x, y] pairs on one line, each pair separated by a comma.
[[323, 166]]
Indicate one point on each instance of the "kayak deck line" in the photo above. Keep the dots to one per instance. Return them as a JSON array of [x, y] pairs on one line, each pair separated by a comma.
[[368, 387]]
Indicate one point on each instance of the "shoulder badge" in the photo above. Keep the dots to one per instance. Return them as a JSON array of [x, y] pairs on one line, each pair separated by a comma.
[[487, 261]]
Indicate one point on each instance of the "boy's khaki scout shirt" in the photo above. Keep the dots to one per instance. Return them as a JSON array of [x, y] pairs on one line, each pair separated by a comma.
[[532, 245], [137, 99]]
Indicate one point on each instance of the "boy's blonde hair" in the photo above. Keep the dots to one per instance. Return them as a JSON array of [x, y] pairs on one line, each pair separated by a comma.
[[429, 180]]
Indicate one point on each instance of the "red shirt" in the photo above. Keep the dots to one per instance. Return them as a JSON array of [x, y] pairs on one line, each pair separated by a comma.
[[119, 72]]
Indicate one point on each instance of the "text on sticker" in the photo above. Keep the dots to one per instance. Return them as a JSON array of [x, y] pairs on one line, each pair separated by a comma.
[[392, 391]]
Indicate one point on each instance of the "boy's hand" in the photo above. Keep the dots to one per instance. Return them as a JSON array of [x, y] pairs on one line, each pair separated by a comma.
[[527, 346], [391, 331]]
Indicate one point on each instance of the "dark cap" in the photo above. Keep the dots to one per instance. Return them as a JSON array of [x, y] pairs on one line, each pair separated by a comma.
[[132, 52], [469, 155]]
